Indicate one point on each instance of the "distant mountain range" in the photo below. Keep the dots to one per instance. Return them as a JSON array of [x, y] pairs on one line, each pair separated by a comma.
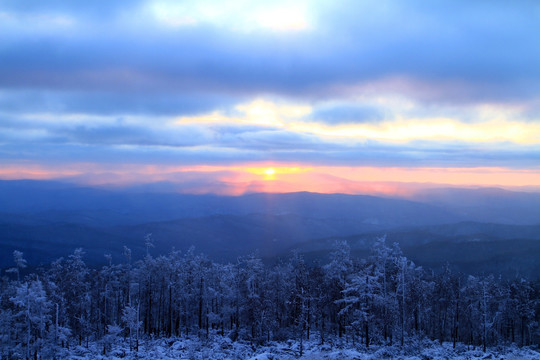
[[475, 230], [470, 247]]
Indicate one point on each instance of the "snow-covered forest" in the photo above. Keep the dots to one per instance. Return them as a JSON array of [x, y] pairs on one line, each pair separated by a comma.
[[246, 306]]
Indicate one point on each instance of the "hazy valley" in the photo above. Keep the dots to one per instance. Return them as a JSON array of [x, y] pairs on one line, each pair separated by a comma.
[[476, 231]]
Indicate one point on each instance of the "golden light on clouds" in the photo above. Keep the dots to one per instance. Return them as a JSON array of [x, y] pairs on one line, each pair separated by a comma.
[[430, 129], [269, 95], [258, 112], [295, 118]]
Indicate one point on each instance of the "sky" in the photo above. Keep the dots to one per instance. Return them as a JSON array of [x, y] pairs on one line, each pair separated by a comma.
[[242, 96]]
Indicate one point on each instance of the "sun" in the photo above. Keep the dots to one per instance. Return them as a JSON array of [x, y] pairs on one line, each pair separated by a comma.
[[270, 171]]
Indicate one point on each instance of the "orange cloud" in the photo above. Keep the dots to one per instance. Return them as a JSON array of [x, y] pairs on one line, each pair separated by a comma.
[[276, 177]]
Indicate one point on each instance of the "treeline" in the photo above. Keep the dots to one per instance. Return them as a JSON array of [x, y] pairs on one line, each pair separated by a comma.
[[384, 299]]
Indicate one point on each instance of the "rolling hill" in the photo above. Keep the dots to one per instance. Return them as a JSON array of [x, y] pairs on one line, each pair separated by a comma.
[[475, 230]]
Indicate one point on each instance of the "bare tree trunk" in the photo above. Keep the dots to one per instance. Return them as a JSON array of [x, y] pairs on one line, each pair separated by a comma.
[[367, 334]]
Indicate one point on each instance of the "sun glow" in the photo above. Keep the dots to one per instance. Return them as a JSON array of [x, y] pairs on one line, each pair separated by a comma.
[[270, 171], [275, 170], [274, 177]]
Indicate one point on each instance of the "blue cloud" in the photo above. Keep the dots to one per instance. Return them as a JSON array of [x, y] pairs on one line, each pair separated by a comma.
[[339, 114], [112, 103], [436, 54], [487, 52], [79, 146], [95, 8]]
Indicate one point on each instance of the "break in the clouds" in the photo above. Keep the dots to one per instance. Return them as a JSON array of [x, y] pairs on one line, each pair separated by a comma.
[[387, 84]]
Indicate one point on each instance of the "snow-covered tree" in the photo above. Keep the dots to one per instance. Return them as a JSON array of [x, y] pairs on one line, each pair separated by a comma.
[[370, 301], [32, 316], [20, 263], [131, 318]]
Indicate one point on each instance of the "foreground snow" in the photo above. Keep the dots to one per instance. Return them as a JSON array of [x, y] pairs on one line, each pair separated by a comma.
[[224, 348]]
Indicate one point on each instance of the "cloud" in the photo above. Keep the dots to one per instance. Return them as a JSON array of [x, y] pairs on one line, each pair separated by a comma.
[[97, 8], [245, 178], [324, 83], [494, 124], [277, 15], [265, 130], [275, 140], [352, 46], [110, 103], [56, 150], [348, 113]]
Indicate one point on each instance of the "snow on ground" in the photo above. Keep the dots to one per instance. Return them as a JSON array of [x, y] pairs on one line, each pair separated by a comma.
[[221, 348]]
